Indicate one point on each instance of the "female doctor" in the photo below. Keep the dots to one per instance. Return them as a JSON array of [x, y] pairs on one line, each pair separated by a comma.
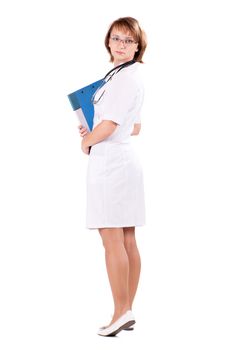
[[115, 193]]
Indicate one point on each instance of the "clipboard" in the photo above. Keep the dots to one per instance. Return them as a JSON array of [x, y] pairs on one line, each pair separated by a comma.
[[82, 105]]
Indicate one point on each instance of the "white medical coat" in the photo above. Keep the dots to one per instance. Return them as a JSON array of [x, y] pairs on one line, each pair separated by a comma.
[[115, 188]]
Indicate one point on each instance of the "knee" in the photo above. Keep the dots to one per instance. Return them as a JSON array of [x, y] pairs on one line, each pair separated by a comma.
[[130, 243], [129, 239], [111, 239], [110, 245]]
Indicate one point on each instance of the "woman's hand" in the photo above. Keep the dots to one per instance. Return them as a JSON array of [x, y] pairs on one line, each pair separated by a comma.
[[136, 129], [84, 147], [82, 130]]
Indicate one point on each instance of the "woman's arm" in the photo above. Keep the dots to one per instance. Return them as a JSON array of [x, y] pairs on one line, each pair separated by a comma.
[[136, 130], [99, 133]]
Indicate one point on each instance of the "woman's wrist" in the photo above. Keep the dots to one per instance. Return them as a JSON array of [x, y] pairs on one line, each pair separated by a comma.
[[87, 140]]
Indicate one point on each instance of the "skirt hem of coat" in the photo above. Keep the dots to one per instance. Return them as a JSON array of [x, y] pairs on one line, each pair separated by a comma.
[[93, 227]]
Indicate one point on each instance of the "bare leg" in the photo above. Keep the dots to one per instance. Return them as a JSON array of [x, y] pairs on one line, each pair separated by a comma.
[[134, 261], [117, 265]]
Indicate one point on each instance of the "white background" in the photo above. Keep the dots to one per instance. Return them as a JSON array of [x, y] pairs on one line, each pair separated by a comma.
[[54, 287]]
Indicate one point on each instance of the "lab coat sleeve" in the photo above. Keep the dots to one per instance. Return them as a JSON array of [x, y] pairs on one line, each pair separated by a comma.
[[119, 99]]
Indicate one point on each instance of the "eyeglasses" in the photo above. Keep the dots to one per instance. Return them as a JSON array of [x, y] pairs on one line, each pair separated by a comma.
[[126, 42]]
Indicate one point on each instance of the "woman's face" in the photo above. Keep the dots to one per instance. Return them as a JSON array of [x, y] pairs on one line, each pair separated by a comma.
[[122, 46]]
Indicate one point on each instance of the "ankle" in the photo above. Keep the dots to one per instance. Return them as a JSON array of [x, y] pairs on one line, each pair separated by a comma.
[[119, 311]]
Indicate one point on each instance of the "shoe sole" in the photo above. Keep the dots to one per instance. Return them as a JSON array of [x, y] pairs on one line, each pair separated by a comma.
[[129, 329], [123, 327]]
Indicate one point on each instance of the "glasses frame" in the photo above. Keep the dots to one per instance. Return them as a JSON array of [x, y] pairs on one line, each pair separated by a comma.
[[126, 42]]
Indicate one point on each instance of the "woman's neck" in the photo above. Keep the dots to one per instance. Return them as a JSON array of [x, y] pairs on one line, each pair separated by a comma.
[[118, 62]]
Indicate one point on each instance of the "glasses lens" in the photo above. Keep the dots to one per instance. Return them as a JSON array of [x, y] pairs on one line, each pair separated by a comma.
[[125, 41]]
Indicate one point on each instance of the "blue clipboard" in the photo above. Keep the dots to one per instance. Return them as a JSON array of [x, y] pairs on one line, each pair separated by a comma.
[[82, 105]]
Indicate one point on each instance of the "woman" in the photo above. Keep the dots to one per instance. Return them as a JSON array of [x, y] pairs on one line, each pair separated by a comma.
[[115, 193]]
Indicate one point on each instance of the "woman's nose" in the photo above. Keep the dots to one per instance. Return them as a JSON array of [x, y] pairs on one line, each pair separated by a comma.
[[122, 43]]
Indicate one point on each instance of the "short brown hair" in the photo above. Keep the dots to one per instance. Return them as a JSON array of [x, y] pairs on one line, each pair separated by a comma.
[[132, 25]]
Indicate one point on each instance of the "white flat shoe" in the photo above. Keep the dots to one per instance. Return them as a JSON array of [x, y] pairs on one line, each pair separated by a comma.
[[124, 322], [130, 328]]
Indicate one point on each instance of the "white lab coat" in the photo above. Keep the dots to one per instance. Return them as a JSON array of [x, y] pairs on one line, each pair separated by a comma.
[[115, 189]]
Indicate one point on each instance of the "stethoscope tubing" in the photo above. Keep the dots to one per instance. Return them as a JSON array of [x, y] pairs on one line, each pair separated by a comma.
[[115, 70]]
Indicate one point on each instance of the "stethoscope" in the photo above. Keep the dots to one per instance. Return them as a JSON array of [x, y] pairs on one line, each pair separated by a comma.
[[108, 77]]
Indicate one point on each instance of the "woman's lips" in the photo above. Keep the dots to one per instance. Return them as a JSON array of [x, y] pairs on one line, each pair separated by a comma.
[[120, 52]]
